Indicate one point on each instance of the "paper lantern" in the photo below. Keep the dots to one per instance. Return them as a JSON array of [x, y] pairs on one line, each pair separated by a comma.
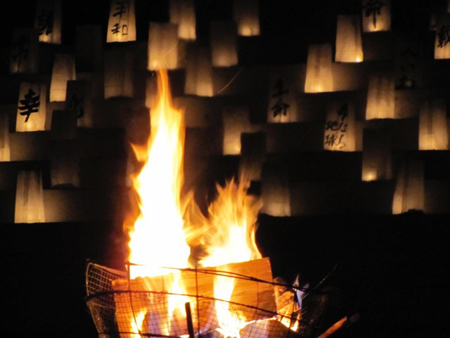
[[24, 51], [29, 198], [319, 76], [89, 48], [340, 127], [275, 190], [348, 39], [433, 130], [410, 187], [236, 121], [31, 107], [63, 71], [223, 39], [376, 15], [64, 124], [246, 14], [253, 155], [182, 13], [162, 46], [48, 21], [376, 156], [198, 71], [122, 21], [5, 155], [408, 70], [381, 97], [118, 74], [79, 99], [442, 38], [64, 165]]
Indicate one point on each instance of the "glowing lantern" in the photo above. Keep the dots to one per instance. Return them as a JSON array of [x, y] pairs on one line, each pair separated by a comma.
[[64, 124], [64, 165], [89, 48], [24, 51], [223, 38], [319, 76], [236, 121], [441, 44], [198, 71], [376, 156], [410, 188], [4, 138], [433, 130], [282, 106], [118, 74], [381, 97], [275, 190], [32, 107], [376, 15], [246, 14], [340, 127], [79, 99], [348, 39], [122, 21], [162, 46], [48, 21], [182, 13], [29, 198], [63, 71], [253, 154]]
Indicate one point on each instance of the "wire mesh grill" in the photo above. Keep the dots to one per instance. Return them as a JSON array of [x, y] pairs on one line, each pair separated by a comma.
[[121, 309]]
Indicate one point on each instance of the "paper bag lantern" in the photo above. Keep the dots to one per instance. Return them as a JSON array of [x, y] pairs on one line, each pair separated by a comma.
[[4, 138], [122, 21], [64, 165], [32, 107], [64, 124], [253, 154], [376, 15], [162, 46], [48, 21], [433, 130], [376, 156], [319, 76], [275, 190], [29, 198], [246, 14], [340, 127], [284, 86], [118, 74], [348, 39], [24, 51], [223, 38], [182, 13], [79, 99], [63, 71], [442, 38], [198, 71], [236, 121], [410, 187], [381, 97]]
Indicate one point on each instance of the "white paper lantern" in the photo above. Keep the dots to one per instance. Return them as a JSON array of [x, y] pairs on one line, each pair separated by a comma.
[[79, 99], [162, 46], [223, 39], [63, 71], [64, 165], [5, 155], [198, 71], [376, 15], [182, 13], [122, 21], [348, 39], [442, 37], [410, 188], [236, 121], [340, 127], [29, 198], [31, 107], [253, 155], [48, 21], [319, 75], [433, 130], [381, 97], [376, 156], [275, 190], [246, 14], [118, 74], [24, 51]]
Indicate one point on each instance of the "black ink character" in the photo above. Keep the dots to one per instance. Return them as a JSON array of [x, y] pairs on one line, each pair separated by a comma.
[[120, 9], [30, 104], [333, 140], [76, 104], [22, 47], [341, 123], [443, 36], [373, 7], [280, 107], [45, 22]]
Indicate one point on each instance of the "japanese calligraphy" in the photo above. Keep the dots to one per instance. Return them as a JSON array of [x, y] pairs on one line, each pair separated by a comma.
[[45, 22], [76, 104], [120, 9], [336, 129], [443, 36], [21, 47], [373, 7], [280, 107], [116, 29], [30, 104]]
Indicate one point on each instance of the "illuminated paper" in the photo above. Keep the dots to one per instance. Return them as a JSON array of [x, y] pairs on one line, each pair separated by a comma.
[[31, 107], [48, 21], [122, 21]]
